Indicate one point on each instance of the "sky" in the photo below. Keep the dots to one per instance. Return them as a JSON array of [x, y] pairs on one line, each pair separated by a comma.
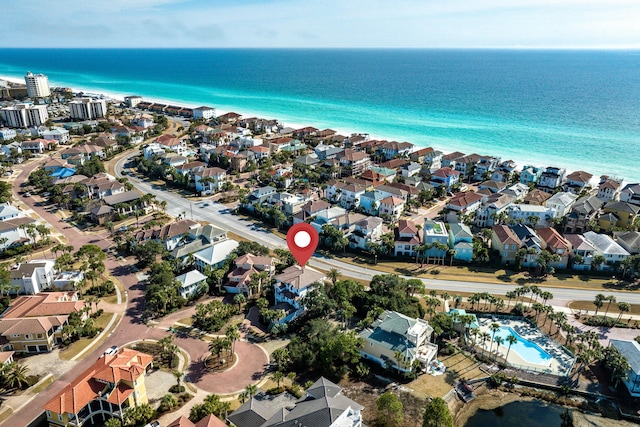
[[321, 23]]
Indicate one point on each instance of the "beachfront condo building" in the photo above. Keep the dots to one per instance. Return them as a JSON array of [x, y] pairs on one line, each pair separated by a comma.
[[87, 108], [37, 85], [24, 115], [132, 101]]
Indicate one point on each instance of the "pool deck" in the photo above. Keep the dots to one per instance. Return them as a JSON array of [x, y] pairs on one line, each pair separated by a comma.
[[561, 362]]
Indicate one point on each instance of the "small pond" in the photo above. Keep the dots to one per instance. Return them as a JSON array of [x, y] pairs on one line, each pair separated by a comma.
[[535, 413]]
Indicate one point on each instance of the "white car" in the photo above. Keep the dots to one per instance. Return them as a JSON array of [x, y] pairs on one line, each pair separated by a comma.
[[111, 350]]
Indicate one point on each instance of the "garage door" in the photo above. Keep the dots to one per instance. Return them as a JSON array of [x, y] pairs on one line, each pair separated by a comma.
[[32, 349]]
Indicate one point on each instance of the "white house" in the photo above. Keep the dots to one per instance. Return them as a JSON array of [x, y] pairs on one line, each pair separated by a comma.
[[13, 233], [561, 203], [214, 255], [528, 214], [57, 134], [7, 212], [152, 149], [209, 180], [292, 285], [366, 230], [191, 283], [33, 276], [206, 113], [394, 334], [392, 206], [613, 253]]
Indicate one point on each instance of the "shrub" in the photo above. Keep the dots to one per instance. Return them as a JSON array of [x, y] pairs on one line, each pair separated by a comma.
[[176, 389], [605, 321]]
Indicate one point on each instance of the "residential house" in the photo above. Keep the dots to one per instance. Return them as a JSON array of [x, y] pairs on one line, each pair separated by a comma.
[[373, 178], [174, 160], [465, 202], [533, 215], [506, 242], [552, 178], [583, 211], [411, 169], [395, 149], [239, 280], [171, 235], [432, 161], [170, 143], [446, 177], [7, 212], [556, 244], [493, 186], [461, 241], [208, 421], [582, 252], [484, 167], [398, 341], [33, 276], [608, 188], [106, 389], [192, 283], [630, 350], [127, 202], [310, 209], [612, 252], [354, 162], [621, 215], [531, 242], [450, 160], [260, 152], [392, 206], [387, 174], [214, 255], [191, 168], [230, 117], [347, 195], [631, 194], [36, 146], [322, 405], [577, 181], [56, 134], [561, 203], [367, 230], [629, 240], [6, 357], [259, 196], [151, 150], [420, 155], [291, 286], [33, 324], [210, 180], [7, 134], [530, 175], [492, 208], [407, 239], [536, 197], [435, 232], [466, 165]]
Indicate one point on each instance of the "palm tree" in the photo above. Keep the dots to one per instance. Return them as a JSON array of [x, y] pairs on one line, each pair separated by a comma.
[[239, 299], [610, 299], [599, 302], [251, 390], [623, 307], [17, 375], [233, 335], [494, 327], [474, 332], [277, 376], [333, 274], [168, 401], [511, 339], [484, 336]]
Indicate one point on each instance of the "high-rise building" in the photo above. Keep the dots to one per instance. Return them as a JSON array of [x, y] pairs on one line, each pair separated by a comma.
[[24, 115], [37, 85], [87, 108]]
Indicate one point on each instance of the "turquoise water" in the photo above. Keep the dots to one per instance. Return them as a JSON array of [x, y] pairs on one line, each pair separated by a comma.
[[577, 109], [528, 350]]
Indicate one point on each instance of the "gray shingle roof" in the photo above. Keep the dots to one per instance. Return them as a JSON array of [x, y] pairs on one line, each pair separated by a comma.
[[631, 351]]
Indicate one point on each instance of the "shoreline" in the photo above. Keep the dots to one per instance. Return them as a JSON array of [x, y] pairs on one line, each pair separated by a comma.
[[221, 109]]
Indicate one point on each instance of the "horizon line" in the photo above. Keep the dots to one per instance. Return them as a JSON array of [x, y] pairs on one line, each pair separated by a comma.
[[539, 48]]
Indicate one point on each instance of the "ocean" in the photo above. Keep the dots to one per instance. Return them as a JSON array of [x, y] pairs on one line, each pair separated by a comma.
[[573, 109]]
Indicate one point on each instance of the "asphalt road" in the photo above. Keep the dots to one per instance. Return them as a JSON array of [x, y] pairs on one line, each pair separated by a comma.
[[221, 216]]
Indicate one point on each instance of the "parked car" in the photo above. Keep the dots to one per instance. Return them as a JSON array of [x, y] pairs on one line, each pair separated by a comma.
[[111, 350]]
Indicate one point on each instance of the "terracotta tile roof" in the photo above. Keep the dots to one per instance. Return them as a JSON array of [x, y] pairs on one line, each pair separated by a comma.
[[254, 260], [209, 172], [464, 199], [300, 278], [127, 364], [553, 238], [446, 172], [394, 163], [422, 151], [406, 227], [44, 304], [354, 156], [177, 228], [182, 422], [392, 201], [609, 183], [537, 197], [505, 235], [579, 176], [210, 421]]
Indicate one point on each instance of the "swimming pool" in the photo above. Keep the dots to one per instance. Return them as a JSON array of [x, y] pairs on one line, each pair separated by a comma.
[[528, 350]]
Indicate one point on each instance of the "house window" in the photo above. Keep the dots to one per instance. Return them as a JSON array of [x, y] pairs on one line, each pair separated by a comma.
[[39, 336], [371, 343], [27, 337], [60, 417], [48, 414], [15, 335]]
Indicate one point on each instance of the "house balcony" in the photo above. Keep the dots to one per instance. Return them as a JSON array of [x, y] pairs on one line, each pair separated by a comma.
[[426, 353]]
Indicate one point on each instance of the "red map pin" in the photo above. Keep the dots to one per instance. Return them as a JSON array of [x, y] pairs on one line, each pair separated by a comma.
[[302, 240]]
